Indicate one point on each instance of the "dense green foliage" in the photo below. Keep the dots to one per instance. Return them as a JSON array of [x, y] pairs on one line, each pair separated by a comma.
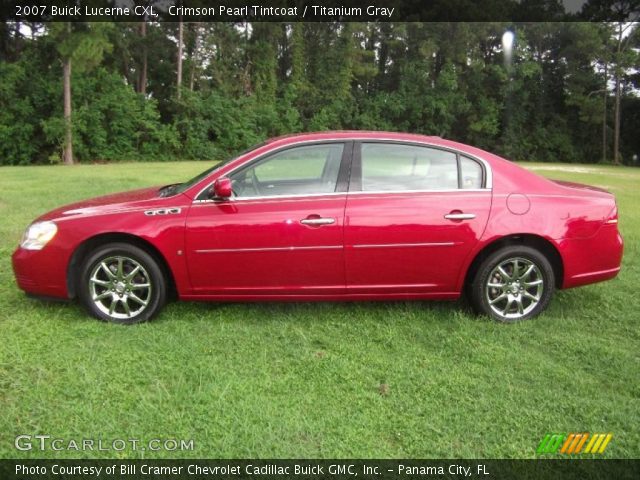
[[329, 380], [242, 83]]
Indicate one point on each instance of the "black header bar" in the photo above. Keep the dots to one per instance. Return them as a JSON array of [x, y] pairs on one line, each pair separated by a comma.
[[314, 11]]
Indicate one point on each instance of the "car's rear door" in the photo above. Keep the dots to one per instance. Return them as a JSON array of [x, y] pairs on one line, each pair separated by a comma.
[[413, 215], [281, 233]]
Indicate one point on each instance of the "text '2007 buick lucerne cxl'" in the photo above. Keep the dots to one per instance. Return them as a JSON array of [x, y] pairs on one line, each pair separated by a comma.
[[330, 216]]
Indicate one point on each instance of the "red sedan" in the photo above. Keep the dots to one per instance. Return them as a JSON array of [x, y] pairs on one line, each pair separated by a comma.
[[330, 216]]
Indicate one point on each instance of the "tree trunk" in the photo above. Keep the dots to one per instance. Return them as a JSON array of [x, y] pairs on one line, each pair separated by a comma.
[[616, 127], [194, 55], [604, 115], [180, 46], [142, 78], [67, 153]]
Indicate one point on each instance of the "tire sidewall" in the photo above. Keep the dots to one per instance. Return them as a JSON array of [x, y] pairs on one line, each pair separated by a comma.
[[158, 290], [479, 298]]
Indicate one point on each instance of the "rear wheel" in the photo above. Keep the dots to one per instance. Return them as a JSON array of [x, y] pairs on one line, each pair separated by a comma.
[[513, 284], [122, 283]]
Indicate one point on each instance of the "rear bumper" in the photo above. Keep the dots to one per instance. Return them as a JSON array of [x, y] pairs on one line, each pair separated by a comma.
[[593, 259], [39, 273]]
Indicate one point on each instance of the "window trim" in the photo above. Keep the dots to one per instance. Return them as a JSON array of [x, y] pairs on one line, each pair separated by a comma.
[[353, 167], [484, 174], [342, 181], [356, 183]]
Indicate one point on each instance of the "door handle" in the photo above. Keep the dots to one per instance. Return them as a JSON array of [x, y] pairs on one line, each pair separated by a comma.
[[460, 216], [317, 221]]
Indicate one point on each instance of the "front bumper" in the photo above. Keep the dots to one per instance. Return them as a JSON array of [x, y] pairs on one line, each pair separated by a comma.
[[40, 272]]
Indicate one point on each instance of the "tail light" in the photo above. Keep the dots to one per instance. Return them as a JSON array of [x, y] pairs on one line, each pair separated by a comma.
[[613, 216]]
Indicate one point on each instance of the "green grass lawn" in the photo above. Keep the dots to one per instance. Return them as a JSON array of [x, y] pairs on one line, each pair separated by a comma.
[[320, 379]]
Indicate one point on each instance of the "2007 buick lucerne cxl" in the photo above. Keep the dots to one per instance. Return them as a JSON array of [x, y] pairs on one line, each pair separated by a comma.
[[330, 216]]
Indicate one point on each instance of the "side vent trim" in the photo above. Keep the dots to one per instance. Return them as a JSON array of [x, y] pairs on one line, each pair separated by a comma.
[[163, 211]]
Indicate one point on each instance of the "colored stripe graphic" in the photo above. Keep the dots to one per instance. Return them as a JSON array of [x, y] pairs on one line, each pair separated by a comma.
[[605, 443], [581, 443], [598, 443], [551, 442], [567, 443], [573, 443]]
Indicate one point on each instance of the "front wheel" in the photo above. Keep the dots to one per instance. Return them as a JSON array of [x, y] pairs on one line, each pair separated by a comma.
[[513, 284], [122, 283]]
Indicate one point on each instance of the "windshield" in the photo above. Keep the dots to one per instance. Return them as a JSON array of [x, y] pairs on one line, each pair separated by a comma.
[[176, 188]]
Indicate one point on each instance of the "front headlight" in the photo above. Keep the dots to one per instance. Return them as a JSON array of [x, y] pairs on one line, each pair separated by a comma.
[[38, 235]]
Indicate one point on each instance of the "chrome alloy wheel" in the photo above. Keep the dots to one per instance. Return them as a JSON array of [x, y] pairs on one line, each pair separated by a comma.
[[120, 287], [514, 287]]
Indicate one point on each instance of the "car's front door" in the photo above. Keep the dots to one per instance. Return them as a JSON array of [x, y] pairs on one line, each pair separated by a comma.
[[282, 231], [413, 215]]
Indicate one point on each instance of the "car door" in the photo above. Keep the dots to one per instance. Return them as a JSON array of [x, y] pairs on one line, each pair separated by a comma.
[[413, 215], [281, 233]]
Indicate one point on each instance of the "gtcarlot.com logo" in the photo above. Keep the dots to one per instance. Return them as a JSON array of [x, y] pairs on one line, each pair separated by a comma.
[[574, 443], [47, 442]]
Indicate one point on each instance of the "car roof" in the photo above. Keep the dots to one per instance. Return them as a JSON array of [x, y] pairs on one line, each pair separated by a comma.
[[342, 134]]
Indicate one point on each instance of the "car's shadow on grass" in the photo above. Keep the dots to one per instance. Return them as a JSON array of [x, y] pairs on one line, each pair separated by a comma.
[[260, 312], [566, 303], [319, 311]]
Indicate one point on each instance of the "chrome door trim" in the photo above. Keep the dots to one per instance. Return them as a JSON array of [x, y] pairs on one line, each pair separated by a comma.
[[405, 245], [275, 197], [444, 190], [314, 195], [268, 249]]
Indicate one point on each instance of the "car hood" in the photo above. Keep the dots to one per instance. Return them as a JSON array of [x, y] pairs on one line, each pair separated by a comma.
[[123, 201]]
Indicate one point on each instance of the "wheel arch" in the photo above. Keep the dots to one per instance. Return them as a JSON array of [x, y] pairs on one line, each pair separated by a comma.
[[82, 250], [543, 245]]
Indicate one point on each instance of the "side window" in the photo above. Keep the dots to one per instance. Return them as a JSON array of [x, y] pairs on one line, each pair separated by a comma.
[[304, 170], [391, 167], [470, 173]]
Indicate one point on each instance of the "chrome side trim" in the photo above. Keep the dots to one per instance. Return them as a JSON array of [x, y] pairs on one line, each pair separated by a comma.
[[599, 272], [163, 211], [396, 192], [487, 168], [372, 192], [268, 249], [406, 245], [275, 197]]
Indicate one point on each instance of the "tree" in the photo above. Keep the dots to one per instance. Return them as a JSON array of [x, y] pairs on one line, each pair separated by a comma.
[[141, 84], [624, 58], [83, 45], [179, 57], [200, 90], [625, 13]]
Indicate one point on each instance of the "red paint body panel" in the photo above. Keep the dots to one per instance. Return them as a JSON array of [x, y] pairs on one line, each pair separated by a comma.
[[45, 271], [381, 245], [401, 242], [260, 246]]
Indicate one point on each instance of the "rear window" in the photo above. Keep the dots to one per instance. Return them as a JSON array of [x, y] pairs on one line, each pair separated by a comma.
[[398, 167]]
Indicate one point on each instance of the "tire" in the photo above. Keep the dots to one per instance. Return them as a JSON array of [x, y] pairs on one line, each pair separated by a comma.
[[110, 290], [496, 292]]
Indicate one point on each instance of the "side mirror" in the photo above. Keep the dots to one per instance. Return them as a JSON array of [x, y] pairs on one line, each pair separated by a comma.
[[222, 188]]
